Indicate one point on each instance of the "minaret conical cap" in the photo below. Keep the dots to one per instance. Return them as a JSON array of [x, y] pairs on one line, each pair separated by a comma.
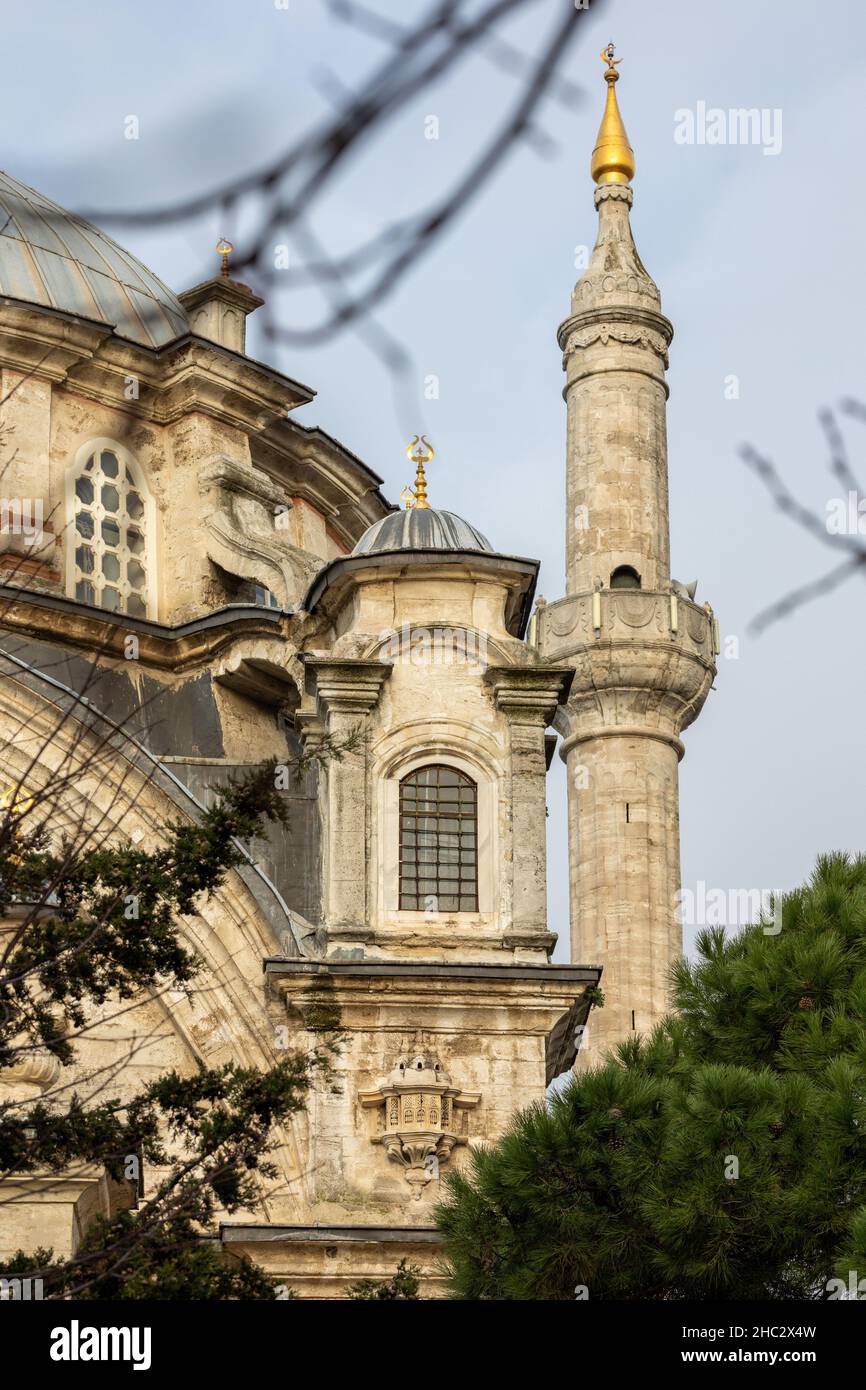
[[613, 156]]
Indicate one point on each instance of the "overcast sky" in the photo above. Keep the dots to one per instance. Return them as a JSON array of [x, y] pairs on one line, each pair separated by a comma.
[[758, 258]]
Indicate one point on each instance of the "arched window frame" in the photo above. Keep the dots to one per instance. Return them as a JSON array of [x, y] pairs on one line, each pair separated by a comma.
[[438, 840], [627, 573], [127, 464], [404, 751]]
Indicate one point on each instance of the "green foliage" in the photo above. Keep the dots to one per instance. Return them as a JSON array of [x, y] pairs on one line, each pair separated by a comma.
[[77, 945], [218, 1127], [403, 1284], [724, 1156], [104, 916]]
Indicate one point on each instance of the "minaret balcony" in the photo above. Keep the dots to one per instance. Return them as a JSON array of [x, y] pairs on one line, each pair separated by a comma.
[[641, 657]]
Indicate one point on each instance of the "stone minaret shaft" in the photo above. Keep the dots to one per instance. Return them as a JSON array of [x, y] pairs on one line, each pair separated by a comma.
[[643, 654]]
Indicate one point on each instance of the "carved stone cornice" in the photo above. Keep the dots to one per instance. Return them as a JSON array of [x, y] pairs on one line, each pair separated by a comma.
[[176, 648], [605, 333], [350, 686], [616, 323], [186, 375], [413, 995], [529, 693], [45, 343]]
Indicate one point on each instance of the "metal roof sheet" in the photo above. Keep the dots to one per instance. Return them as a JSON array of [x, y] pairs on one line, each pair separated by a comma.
[[50, 256]]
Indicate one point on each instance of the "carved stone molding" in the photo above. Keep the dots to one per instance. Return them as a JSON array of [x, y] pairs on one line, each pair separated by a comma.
[[350, 686], [528, 694], [31, 1074], [619, 192], [605, 333], [643, 662], [242, 510]]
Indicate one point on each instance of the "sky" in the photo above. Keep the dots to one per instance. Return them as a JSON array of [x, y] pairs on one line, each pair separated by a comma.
[[757, 256]]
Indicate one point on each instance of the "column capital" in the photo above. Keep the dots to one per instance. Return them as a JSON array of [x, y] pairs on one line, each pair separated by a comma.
[[529, 693], [350, 686]]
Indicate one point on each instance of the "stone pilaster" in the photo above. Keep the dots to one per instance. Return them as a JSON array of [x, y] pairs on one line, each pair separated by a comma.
[[339, 699], [528, 697]]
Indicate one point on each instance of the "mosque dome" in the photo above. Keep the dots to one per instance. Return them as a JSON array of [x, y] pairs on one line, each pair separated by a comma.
[[53, 258], [421, 528]]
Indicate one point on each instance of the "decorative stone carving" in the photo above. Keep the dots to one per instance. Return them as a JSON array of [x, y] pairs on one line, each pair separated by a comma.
[[605, 333], [632, 610], [619, 192], [419, 1117], [241, 508], [623, 613], [34, 1071]]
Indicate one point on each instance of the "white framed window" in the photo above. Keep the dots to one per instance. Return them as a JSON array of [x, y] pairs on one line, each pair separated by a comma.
[[111, 532]]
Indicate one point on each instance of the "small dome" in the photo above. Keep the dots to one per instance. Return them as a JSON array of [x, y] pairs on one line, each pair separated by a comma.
[[421, 528], [49, 256]]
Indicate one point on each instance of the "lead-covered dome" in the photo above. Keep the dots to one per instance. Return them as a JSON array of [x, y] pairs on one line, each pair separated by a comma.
[[49, 256], [421, 528]]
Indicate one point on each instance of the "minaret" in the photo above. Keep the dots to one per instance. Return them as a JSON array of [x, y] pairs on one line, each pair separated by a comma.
[[643, 652]]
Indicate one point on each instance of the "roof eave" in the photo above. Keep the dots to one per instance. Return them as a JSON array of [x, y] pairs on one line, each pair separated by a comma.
[[479, 559]]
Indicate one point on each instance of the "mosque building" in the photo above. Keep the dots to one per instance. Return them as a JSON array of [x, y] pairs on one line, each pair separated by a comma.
[[193, 581]]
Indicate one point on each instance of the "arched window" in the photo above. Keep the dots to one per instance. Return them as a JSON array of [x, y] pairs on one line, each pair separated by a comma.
[[438, 841], [111, 533], [624, 577]]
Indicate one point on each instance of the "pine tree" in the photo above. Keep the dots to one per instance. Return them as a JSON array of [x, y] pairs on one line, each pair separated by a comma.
[[723, 1156], [401, 1287]]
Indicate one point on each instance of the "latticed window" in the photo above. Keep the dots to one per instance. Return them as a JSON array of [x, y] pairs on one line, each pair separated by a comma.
[[438, 841], [111, 549]]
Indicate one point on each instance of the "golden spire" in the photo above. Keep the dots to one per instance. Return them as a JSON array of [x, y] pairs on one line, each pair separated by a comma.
[[417, 496], [613, 156], [224, 248]]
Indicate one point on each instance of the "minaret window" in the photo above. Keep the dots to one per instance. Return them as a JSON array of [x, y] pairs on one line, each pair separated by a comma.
[[110, 533], [438, 841], [624, 577]]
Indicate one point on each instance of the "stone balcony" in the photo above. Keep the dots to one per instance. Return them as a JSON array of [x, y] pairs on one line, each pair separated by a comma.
[[641, 657]]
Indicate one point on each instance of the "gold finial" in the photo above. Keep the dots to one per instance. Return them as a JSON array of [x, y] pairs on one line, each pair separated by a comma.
[[417, 496], [224, 248], [613, 156]]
